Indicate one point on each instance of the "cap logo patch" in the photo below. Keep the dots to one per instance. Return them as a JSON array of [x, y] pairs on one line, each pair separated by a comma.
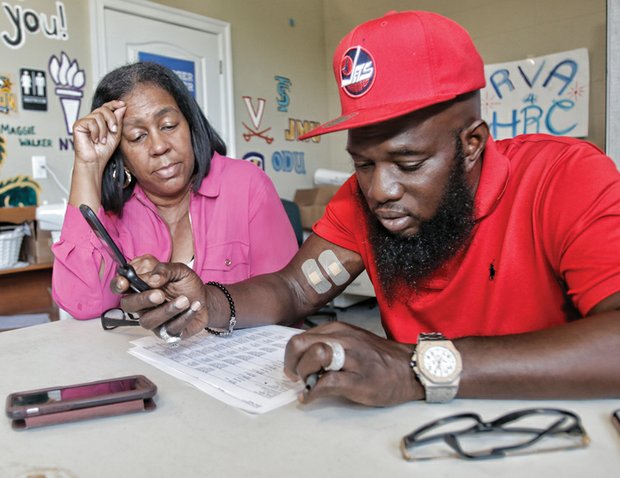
[[357, 72]]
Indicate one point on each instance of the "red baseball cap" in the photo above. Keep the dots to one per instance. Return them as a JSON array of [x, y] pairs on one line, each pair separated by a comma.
[[399, 63]]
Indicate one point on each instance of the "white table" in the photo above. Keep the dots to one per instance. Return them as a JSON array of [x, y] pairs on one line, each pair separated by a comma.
[[191, 434]]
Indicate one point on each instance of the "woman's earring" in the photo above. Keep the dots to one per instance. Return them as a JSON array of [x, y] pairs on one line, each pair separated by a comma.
[[128, 178], [127, 175]]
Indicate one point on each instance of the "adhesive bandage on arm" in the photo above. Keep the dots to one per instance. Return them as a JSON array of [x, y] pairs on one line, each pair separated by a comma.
[[315, 277], [334, 268]]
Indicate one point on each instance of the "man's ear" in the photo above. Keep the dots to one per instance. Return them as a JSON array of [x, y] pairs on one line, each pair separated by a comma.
[[474, 139]]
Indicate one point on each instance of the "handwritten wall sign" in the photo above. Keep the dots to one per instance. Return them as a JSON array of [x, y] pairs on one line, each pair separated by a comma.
[[65, 144], [289, 161], [282, 88], [35, 142], [25, 135], [547, 94], [297, 127], [27, 21], [17, 130]]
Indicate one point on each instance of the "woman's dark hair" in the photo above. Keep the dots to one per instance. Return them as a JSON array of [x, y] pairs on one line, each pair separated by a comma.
[[205, 140]]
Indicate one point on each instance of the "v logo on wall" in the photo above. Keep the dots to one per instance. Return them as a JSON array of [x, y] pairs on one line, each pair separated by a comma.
[[256, 116]]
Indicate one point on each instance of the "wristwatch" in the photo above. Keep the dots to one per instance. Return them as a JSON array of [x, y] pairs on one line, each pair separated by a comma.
[[437, 365]]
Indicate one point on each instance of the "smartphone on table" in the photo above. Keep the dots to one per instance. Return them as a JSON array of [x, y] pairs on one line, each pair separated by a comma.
[[123, 267], [61, 404]]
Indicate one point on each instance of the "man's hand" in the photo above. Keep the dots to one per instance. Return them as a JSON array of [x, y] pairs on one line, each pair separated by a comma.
[[176, 298], [376, 371]]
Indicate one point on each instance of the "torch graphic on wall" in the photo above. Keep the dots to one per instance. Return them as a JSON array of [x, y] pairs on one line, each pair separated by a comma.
[[69, 80]]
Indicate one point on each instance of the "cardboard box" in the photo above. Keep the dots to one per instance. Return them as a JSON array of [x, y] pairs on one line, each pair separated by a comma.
[[36, 247], [312, 203]]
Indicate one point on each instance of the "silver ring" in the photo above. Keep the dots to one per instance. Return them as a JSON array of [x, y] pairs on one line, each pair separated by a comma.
[[166, 337], [337, 356]]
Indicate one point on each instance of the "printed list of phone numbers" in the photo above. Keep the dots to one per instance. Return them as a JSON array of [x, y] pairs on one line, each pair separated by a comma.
[[248, 363]]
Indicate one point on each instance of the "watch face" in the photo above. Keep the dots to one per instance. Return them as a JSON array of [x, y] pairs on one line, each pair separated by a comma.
[[439, 361]]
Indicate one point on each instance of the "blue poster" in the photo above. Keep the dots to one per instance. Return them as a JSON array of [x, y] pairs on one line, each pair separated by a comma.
[[184, 69]]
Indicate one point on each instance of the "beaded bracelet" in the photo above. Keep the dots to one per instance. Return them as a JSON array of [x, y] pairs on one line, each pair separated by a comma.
[[233, 315]]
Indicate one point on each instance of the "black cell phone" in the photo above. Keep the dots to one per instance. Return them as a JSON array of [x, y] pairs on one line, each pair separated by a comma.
[[60, 404], [615, 417], [123, 267]]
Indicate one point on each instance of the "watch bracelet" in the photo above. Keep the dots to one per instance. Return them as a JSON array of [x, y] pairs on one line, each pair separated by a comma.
[[431, 336]]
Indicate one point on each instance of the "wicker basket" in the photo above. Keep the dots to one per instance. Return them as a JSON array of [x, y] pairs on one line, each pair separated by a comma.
[[10, 243]]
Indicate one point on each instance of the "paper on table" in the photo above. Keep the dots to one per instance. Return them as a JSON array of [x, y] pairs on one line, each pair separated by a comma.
[[244, 370]]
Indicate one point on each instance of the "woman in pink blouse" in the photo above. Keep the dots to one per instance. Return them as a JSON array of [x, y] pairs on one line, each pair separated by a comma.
[[154, 170]]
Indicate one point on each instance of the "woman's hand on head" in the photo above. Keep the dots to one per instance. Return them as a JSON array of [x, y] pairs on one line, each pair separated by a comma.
[[97, 135], [177, 297], [95, 138]]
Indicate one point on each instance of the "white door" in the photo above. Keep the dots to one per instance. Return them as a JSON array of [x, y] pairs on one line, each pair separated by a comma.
[[197, 47]]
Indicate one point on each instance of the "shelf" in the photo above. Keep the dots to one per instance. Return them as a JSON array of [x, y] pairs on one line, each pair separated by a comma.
[[26, 290], [17, 215], [28, 268]]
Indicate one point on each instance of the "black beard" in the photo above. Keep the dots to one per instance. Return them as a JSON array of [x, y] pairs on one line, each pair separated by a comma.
[[408, 261]]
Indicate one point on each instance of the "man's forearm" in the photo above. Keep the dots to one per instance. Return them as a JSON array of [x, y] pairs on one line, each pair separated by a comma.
[[577, 360], [260, 300]]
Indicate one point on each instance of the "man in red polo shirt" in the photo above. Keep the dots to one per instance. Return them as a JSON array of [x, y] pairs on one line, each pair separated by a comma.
[[499, 260]]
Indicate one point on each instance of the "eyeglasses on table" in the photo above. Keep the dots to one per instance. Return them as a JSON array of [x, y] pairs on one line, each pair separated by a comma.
[[117, 317], [520, 432]]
